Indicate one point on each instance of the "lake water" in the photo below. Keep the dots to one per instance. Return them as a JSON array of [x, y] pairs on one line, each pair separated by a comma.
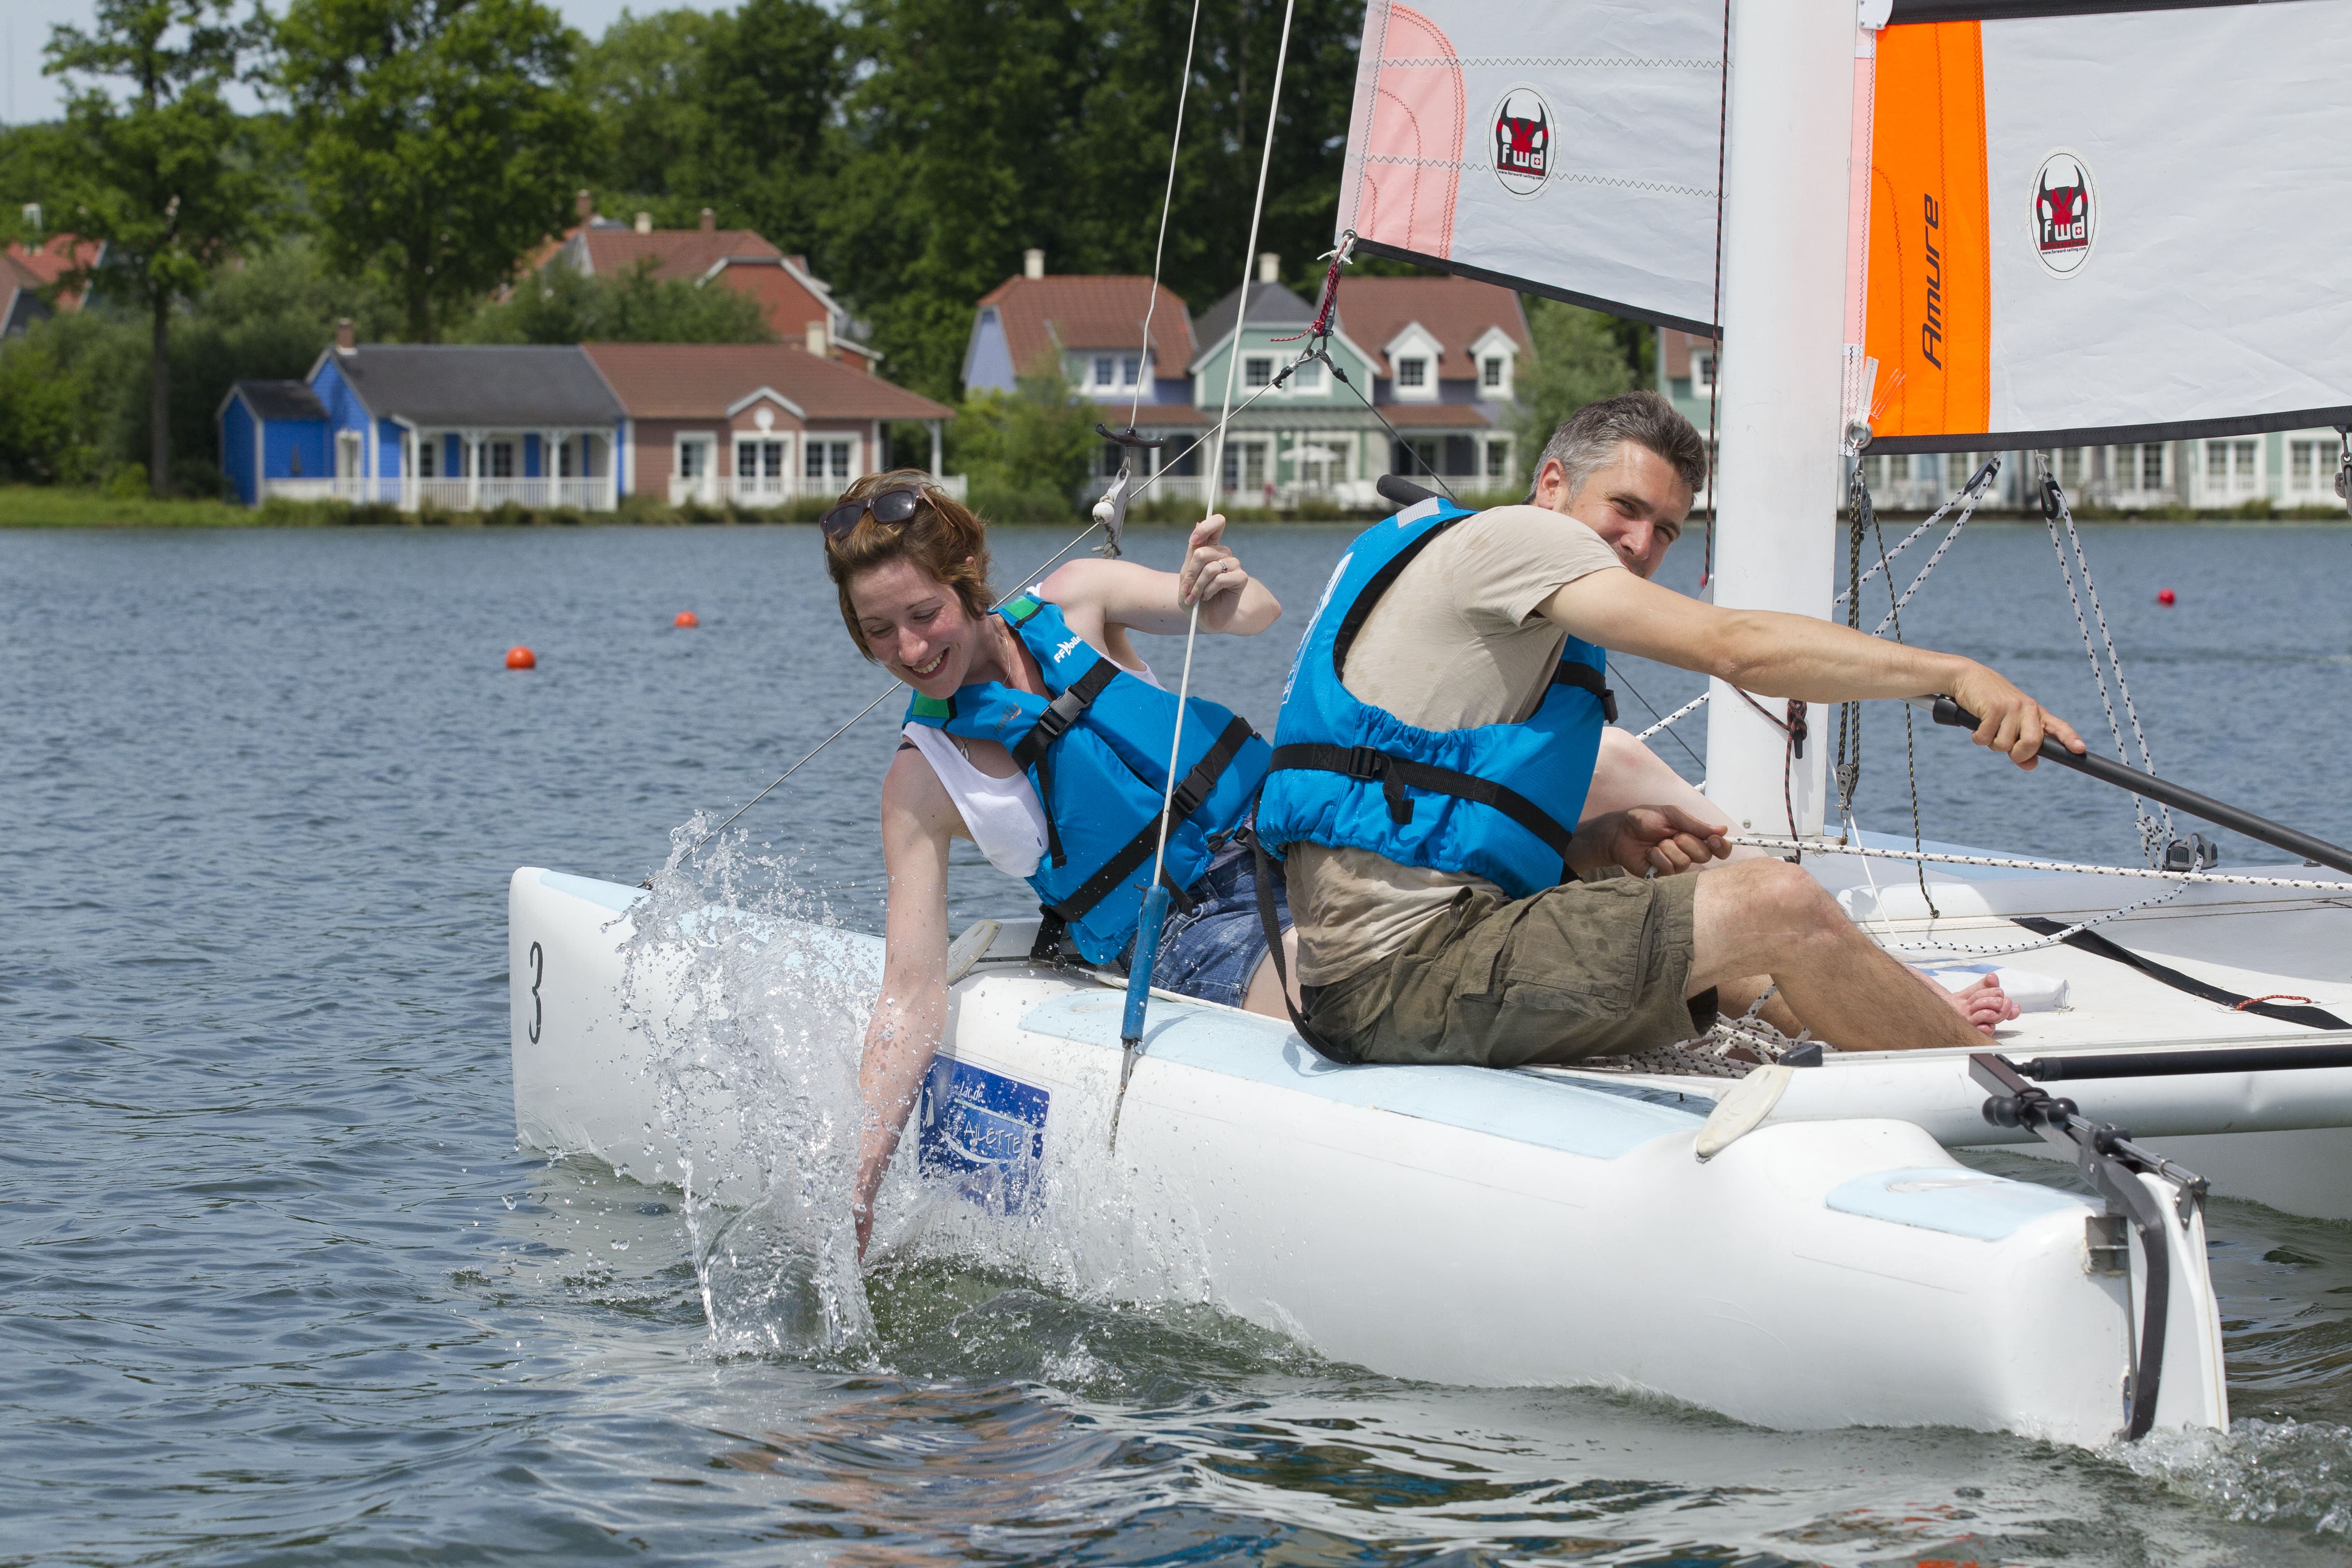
[[278, 1285]]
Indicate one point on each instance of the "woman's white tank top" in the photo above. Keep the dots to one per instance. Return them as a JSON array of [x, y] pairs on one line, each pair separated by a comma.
[[1002, 816]]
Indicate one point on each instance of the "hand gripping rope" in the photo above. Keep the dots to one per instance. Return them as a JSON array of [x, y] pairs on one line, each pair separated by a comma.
[[1146, 953]]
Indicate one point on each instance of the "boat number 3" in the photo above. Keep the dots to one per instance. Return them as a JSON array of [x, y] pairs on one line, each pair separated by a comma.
[[537, 973]]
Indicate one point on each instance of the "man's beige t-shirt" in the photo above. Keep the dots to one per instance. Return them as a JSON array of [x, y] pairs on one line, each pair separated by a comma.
[[1456, 642]]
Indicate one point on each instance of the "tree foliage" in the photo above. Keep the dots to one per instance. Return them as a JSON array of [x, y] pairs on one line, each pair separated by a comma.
[[731, 109], [1026, 452], [563, 306], [159, 168], [1581, 358], [982, 127], [442, 139]]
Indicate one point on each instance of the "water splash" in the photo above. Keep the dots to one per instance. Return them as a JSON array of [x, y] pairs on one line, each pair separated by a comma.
[[2292, 1473], [754, 1001]]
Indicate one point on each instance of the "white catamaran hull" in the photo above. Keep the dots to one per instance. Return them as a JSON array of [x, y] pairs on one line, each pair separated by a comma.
[[1454, 1223]]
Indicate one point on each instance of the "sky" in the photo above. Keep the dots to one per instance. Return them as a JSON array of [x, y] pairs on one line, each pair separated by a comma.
[[26, 95]]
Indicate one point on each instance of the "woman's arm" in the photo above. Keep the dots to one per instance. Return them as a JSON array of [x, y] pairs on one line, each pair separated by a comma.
[[910, 1015], [1096, 596]]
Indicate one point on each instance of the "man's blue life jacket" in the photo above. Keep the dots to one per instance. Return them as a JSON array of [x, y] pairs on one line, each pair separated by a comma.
[[1097, 750], [1498, 801]]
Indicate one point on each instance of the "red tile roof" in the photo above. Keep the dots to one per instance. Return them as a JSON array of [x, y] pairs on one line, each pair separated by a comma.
[[1458, 311], [686, 252], [49, 260], [1043, 315], [699, 381]]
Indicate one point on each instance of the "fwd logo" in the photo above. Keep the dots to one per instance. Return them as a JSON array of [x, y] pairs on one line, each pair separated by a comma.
[[1063, 652]]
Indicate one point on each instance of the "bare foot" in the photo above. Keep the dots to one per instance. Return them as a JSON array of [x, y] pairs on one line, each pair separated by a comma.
[[1984, 1005]]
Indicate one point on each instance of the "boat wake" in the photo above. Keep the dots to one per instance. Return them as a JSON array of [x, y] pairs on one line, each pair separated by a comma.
[[2297, 1474], [755, 1004]]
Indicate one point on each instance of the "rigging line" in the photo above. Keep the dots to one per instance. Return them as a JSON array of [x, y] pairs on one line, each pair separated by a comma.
[[1910, 744], [2055, 508], [1175, 144], [1693, 705], [1617, 670], [2341, 890], [1217, 469], [1715, 313], [1973, 492], [1395, 435]]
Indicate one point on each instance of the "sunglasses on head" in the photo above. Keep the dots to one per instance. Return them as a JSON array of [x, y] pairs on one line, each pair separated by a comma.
[[888, 506]]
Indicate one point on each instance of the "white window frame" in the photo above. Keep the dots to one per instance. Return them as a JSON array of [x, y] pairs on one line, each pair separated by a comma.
[[1411, 373], [1495, 345], [428, 454], [708, 465], [824, 448], [351, 455], [1238, 451], [1415, 341], [1299, 383], [1257, 370]]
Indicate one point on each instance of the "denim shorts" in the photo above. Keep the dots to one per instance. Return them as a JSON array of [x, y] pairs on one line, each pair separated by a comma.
[[1213, 949]]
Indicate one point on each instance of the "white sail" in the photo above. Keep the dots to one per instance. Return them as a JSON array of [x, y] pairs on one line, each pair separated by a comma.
[[1568, 150]]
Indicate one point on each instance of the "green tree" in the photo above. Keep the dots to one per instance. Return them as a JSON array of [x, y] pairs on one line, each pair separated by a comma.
[[165, 173], [48, 419], [979, 128], [1026, 452], [733, 111], [566, 306], [441, 139], [1580, 357]]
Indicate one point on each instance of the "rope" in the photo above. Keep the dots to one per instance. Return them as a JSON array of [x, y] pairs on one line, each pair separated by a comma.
[[1973, 492], [1175, 144], [1714, 375], [1617, 672], [2023, 862], [1693, 705], [1217, 466], [2054, 510]]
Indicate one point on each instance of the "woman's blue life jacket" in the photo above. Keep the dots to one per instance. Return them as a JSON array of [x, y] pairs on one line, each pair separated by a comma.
[[1497, 801], [1097, 749]]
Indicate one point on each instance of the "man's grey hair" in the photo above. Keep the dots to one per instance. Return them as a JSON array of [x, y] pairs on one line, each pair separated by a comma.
[[1588, 440]]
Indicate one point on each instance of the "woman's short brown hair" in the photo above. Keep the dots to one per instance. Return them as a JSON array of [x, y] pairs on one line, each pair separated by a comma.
[[944, 539]]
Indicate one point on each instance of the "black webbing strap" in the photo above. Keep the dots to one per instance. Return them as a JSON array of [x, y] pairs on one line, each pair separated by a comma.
[[1273, 927], [2091, 941], [1584, 678], [1035, 748], [1189, 794], [1394, 773]]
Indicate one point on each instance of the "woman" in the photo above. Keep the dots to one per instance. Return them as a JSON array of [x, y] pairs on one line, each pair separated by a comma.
[[1036, 732]]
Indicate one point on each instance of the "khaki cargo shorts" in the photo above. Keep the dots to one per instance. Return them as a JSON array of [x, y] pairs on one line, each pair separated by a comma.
[[1580, 970]]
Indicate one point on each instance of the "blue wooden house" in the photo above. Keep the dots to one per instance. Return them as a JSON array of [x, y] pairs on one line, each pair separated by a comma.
[[456, 426]]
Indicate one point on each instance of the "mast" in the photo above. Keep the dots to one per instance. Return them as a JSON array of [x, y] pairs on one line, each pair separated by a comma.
[[1789, 123]]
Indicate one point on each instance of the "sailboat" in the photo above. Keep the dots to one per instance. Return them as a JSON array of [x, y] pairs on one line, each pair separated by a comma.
[[1929, 228]]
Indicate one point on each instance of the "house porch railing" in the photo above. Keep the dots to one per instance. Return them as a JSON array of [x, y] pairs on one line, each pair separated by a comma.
[[450, 494], [733, 489]]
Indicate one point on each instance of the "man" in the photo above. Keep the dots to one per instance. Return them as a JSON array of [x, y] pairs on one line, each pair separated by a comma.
[[1440, 733]]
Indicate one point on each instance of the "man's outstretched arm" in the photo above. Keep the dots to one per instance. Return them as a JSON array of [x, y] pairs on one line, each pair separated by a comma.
[[1776, 655]]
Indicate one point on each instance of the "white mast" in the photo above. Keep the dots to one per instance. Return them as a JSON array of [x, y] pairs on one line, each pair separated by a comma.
[[1790, 125]]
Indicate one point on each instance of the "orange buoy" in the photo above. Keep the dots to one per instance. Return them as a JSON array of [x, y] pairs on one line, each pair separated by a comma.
[[687, 620], [2165, 596], [522, 659]]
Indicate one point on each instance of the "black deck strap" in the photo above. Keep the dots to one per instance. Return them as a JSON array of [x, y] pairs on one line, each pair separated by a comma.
[[1366, 763], [2309, 1017], [1271, 925], [1584, 678], [1187, 799], [1053, 934]]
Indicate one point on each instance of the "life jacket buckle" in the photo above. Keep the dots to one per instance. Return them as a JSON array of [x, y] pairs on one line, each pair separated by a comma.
[[1367, 763]]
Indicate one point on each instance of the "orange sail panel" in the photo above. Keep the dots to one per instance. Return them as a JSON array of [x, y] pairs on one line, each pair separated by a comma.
[[1930, 269]]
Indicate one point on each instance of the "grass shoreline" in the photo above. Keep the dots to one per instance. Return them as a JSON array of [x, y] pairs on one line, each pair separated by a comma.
[[59, 507]]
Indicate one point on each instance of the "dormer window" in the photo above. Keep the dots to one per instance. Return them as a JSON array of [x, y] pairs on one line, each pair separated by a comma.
[[1130, 370], [1103, 371], [1257, 370], [1414, 371], [1702, 372], [1308, 377], [1490, 371]]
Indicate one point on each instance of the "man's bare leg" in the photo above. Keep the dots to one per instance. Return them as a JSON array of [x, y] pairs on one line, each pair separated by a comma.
[[1768, 917]]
